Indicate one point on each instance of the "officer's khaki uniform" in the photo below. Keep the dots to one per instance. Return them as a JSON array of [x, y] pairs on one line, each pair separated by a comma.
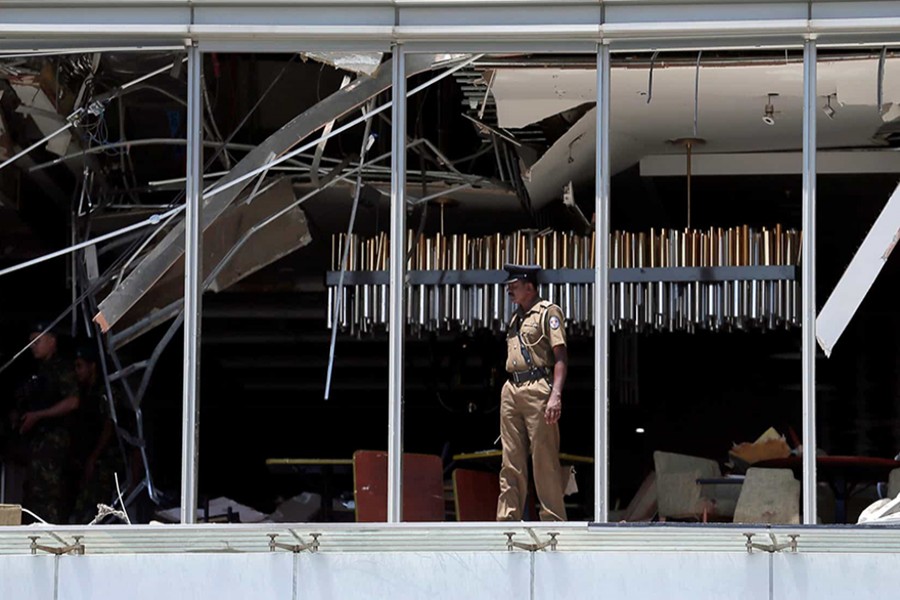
[[523, 429]]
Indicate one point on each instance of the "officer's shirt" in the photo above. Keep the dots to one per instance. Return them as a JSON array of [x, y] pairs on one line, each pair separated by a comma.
[[543, 326]]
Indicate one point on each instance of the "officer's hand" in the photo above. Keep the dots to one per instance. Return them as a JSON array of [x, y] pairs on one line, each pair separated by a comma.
[[554, 408], [29, 420]]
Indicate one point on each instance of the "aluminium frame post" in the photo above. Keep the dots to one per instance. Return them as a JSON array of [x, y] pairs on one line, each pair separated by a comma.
[[808, 249], [601, 292], [397, 316], [192, 291]]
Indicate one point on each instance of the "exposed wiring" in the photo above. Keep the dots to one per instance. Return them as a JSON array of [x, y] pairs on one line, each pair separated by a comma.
[[28, 512], [121, 502], [366, 144], [152, 220], [219, 188]]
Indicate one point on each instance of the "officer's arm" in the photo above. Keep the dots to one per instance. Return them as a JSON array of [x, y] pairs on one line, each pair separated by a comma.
[[554, 403], [560, 369]]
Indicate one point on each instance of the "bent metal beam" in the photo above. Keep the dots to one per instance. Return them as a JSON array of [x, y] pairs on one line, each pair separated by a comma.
[[171, 248]]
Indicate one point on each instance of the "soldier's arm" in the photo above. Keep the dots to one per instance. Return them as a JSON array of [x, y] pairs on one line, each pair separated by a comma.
[[106, 435], [60, 409]]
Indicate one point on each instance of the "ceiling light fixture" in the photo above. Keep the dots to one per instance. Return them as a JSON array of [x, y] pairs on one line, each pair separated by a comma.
[[828, 109], [769, 112]]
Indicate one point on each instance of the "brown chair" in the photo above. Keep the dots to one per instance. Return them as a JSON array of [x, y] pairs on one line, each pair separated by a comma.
[[475, 494], [423, 486]]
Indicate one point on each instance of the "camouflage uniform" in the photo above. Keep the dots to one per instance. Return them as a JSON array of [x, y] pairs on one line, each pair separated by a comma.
[[48, 443], [101, 487]]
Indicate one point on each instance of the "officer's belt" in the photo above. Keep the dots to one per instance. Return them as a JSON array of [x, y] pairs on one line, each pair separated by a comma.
[[529, 375]]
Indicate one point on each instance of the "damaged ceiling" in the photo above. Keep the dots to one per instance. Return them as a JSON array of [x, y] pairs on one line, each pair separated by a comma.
[[504, 135]]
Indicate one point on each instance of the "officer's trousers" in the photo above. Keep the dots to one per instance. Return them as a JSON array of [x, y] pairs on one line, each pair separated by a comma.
[[524, 432]]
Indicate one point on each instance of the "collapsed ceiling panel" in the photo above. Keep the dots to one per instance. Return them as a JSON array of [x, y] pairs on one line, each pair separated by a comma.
[[572, 158], [859, 276], [171, 248], [44, 100], [283, 235], [362, 63]]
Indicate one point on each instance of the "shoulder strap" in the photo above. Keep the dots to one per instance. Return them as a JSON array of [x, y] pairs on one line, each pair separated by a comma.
[[516, 325], [545, 308]]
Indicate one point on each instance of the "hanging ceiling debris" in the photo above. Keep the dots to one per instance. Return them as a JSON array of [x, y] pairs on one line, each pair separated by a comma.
[[517, 131], [228, 188]]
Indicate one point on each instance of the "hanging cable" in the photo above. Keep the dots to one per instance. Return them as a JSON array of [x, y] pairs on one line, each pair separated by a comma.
[[697, 93], [650, 78], [366, 144], [152, 220], [218, 188], [95, 107], [880, 92], [47, 137]]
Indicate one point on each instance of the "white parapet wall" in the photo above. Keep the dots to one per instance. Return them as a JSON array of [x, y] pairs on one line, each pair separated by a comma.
[[406, 561]]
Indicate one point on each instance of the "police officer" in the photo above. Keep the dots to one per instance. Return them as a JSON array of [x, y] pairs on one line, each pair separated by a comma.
[[98, 450], [531, 400], [49, 397]]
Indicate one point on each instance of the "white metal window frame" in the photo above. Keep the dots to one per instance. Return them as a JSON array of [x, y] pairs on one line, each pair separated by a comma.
[[652, 24], [471, 26], [397, 277]]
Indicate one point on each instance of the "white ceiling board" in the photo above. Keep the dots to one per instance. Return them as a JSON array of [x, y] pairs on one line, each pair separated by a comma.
[[771, 163], [855, 82], [525, 96], [728, 95], [732, 102]]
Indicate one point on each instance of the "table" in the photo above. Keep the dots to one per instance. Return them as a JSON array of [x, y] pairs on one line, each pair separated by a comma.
[[842, 473], [564, 458], [325, 470], [493, 456]]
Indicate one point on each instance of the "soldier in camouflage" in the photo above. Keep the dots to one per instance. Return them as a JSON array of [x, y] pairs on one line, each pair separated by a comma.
[[47, 400], [102, 458]]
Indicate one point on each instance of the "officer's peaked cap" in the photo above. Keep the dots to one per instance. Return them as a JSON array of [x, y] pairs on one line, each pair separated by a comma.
[[522, 272]]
